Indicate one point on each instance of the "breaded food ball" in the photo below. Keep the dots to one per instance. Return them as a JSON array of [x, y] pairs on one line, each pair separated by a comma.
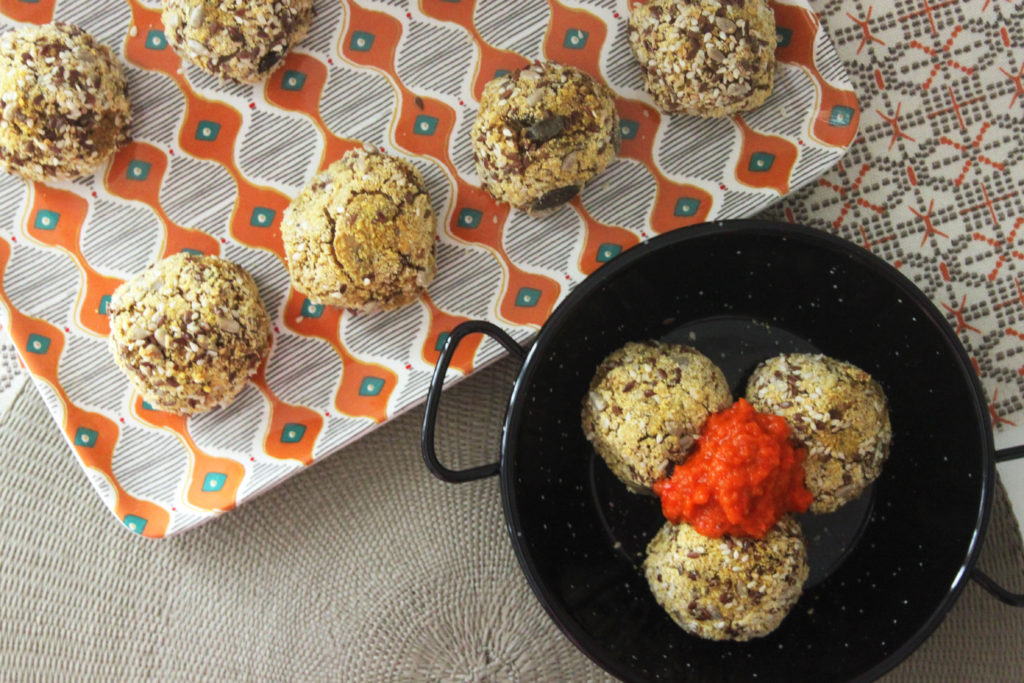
[[837, 412], [236, 40], [361, 234], [706, 58], [646, 405], [189, 332], [543, 132], [727, 588], [64, 101]]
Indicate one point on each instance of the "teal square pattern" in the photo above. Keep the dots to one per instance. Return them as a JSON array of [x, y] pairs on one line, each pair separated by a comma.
[[527, 297], [470, 218], [371, 386], [135, 523], [607, 251], [207, 131], [686, 206], [361, 41], [146, 405], [37, 344], [214, 481], [156, 40], [46, 220], [137, 170], [840, 116], [311, 310], [628, 129], [104, 304], [294, 80], [575, 39], [86, 437], [442, 339], [262, 217], [761, 162], [189, 250], [424, 125], [292, 433], [783, 36], [501, 72]]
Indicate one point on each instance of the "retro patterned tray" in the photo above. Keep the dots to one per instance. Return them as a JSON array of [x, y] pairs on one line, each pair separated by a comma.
[[213, 166]]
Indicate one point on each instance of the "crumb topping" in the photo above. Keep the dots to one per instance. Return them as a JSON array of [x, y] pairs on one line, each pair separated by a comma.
[[727, 588], [189, 332], [361, 235], [542, 133], [64, 102], [705, 57], [237, 40], [646, 405], [836, 411]]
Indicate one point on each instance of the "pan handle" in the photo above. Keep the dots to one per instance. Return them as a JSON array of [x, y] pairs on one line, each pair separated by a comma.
[[1011, 453], [980, 577], [997, 591], [434, 397]]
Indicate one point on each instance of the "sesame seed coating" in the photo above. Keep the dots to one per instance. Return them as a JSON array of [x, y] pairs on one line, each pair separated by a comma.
[[837, 412], [361, 235], [706, 58], [646, 405], [64, 102], [236, 40], [543, 132], [727, 588], [189, 332]]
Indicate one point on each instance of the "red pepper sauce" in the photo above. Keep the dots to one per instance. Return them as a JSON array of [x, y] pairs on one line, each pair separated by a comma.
[[743, 476]]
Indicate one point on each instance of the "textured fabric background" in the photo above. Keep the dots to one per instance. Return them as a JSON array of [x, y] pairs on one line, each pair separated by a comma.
[[362, 568], [932, 182]]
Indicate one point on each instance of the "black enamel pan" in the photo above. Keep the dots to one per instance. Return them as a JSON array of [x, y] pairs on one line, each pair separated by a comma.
[[885, 570]]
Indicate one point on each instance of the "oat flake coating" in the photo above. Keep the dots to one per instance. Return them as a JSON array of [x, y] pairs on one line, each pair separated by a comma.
[[647, 404], [542, 132], [707, 58], [65, 103], [837, 411], [236, 40], [727, 588], [189, 332], [361, 234]]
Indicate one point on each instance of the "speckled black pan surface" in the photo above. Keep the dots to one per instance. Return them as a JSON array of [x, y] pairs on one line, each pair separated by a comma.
[[883, 572]]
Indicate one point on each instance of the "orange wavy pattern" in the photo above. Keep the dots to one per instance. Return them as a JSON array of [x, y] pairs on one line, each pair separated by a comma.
[[491, 59], [92, 436], [36, 12], [212, 482], [209, 131], [365, 388], [306, 100], [292, 430], [55, 219], [838, 112], [136, 173]]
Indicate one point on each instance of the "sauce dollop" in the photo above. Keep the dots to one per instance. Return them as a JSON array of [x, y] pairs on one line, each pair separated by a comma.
[[742, 478]]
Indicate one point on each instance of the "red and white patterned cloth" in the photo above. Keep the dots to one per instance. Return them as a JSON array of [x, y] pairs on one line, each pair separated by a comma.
[[932, 184]]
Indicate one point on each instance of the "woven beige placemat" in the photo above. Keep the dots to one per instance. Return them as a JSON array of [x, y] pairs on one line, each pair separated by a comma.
[[364, 567]]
